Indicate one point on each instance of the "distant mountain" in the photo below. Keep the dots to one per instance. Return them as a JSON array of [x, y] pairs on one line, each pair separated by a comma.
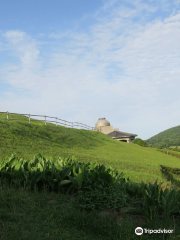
[[169, 138]]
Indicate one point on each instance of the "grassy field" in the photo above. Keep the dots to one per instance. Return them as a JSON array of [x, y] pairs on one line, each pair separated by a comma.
[[25, 140], [26, 215]]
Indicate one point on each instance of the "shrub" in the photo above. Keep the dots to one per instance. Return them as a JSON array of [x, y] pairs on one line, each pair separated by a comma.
[[140, 142], [67, 175]]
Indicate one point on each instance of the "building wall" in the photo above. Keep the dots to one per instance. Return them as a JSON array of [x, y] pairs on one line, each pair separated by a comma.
[[128, 140], [108, 129]]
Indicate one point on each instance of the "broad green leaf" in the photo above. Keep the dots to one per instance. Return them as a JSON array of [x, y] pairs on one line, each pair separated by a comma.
[[65, 172], [17, 167], [102, 168], [73, 168], [79, 179], [36, 178], [74, 182], [26, 175], [13, 162], [58, 165], [64, 182], [93, 165], [81, 169], [39, 166]]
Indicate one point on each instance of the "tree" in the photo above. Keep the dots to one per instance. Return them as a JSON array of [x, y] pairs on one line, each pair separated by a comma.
[[140, 142]]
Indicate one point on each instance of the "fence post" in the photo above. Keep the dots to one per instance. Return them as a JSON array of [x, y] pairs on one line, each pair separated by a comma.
[[65, 123], [29, 118], [7, 115], [72, 124], [56, 121], [45, 119], [77, 125]]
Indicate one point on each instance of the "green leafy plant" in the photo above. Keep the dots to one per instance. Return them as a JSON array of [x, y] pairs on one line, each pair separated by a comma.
[[170, 169], [156, 202], [101, 197], [140, 142], [59, 174]]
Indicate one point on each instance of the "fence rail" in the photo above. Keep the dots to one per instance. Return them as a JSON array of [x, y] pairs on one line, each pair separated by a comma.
[[57, 121]]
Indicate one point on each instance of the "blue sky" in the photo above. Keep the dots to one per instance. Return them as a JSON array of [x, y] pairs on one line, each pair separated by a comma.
[[81, 60]]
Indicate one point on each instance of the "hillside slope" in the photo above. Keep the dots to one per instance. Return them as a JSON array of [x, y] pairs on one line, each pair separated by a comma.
[[166, 139], [25, 140]]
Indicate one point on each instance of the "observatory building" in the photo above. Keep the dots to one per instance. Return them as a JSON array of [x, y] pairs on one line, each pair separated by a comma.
[[104, 126]]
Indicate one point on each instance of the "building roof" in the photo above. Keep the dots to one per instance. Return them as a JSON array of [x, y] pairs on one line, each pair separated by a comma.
[[117, 134], [102, 122]]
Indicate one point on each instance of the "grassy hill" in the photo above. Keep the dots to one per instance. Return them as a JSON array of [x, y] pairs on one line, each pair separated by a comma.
[[169, 138], [25, 140], [29, 213]]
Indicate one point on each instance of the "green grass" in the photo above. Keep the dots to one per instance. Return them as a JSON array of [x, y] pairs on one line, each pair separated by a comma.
[[170, 152], [25, 140], [34, 215], [26, 214]]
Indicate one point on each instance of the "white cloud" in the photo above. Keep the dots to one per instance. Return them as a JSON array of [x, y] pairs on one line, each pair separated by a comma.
[[173, 18], [23, 47], [123, 70]]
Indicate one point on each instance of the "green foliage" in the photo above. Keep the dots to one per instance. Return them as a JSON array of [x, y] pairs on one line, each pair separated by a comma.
[[170, 169], [27, 215], [154, 202], [96, 186], [177, 238], [26, 140], [169, 152], [140, 142], [166, 139], [101, 197], [45, 215], [59, 174]]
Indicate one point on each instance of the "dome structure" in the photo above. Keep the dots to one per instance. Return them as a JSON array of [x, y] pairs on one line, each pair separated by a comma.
[[102, 122]]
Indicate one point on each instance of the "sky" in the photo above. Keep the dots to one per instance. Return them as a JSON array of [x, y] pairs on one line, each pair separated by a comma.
[[83, 60]]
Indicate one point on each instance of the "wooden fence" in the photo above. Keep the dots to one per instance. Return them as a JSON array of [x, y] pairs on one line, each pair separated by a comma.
[[45, 119]]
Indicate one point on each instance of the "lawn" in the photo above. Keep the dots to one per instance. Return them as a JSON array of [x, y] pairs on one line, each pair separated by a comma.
[[30, 214], [26, 140]]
